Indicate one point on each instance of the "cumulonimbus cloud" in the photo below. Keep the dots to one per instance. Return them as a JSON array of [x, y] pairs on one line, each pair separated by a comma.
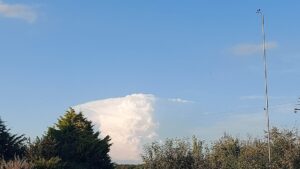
[[18, 11], [250, 49], [127, 120]]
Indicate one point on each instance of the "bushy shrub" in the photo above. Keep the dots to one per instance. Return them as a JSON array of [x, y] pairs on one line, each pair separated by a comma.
[[174, 154], [226, 153], [129, 166], [16, 163], [52, 163], [74, 142], [11, 145]]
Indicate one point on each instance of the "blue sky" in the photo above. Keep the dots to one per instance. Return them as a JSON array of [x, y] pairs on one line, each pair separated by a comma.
[[56, 54]]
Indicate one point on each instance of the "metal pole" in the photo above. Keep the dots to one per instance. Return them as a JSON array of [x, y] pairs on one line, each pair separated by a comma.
[[266, 83]]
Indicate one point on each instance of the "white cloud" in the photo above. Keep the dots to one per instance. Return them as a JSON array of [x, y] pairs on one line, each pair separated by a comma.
[[18, 11], [250, 49], [179, 100], [127, 120]]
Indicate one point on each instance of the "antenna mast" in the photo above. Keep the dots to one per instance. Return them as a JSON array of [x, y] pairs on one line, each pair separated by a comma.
[[266, 82]]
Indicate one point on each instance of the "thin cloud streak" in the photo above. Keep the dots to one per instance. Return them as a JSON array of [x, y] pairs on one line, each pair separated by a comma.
[[18, 11], [251, 49], [179, 100]]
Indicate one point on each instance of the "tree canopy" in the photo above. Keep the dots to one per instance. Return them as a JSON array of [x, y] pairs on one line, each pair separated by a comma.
[[11, 145], [73, 140], [226, 153]]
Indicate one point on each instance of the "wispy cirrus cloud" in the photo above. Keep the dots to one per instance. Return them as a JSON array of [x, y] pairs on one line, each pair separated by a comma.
[[179, 100], [251, 48], [18, 11]]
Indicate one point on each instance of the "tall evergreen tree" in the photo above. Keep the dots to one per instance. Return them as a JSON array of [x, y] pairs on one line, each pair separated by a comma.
[[11, 145], [74, 141]]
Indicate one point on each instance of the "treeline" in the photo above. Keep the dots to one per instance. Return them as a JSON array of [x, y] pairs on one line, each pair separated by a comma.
[[70, 144], [73, 144], [226, 153]]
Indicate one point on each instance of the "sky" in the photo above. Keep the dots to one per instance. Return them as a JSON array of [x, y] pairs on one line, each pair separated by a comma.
[[164, 69]]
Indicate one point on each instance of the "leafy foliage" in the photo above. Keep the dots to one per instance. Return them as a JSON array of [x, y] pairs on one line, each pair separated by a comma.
[[16, 163], [174, 154], [72, 143], [129, 166], [11, 145], [285, 149], [73, 140], [52, 163], [226, 153], [253, 154]]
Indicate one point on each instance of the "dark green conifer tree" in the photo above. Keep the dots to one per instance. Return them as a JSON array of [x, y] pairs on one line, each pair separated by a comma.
[[74, 141], [11, 145]]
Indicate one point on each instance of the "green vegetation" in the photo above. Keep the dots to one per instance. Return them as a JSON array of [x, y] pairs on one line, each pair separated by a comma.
[[72, 144], [16, 163], [174, 153], [11, 145], [226, 153], [69, 144], [128, 166]]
